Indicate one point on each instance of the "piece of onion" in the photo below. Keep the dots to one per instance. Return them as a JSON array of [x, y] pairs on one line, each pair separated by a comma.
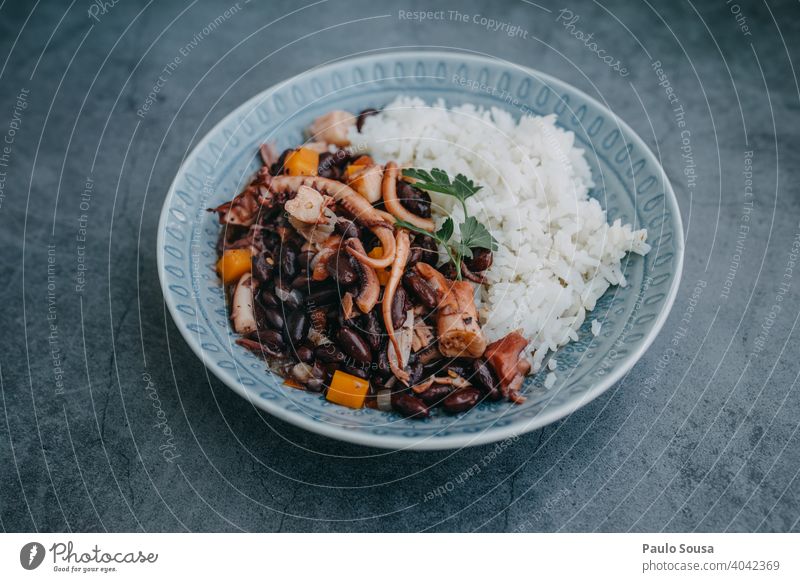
[[288, 295], [405, 337], [302, 372], [384, 400]]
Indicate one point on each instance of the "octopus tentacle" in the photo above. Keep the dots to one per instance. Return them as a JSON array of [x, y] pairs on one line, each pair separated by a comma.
[[393, 204], [353, 203], [389, 218], [398, 267], [370, 290], [385, 236]]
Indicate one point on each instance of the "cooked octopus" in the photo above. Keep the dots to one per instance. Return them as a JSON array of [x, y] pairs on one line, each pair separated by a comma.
[[357, 206], [393, 204], [398, 267], [328, 286]]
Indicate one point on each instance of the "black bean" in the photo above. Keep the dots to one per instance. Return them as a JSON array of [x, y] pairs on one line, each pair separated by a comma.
[[342, 270], [291, 298], [414, 256], [483, 377], [348, 322], [413, 199], [352, 344], [277, 167], [440, 367], [304, 258], [296, 327], [460, 366], [329, 354], [480, 261], [428, 248], [342, 157], [436, 394], [378, 382], [260, 312], [383, 368], [419, 288], [269, 339], [305, 354], [273, 318], [436, 368], [461, 400], [430, 355], [347, 228], [262, 269], [408, 302], [301, 282], [494, 395], [319, 320], [269, 239], [415, 371], [357, 371], [373, 331], [268, 298], [288, 262], [410, 406], [362, 117], [331, 165], [323, 297], [399, 308], [448, 269], [327, 166]]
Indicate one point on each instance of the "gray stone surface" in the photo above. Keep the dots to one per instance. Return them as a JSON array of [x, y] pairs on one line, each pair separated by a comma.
[[701, 435]]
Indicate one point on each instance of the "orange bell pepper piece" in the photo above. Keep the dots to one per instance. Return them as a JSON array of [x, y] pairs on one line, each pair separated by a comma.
[[347, 390], [302, 162], [233, 264]]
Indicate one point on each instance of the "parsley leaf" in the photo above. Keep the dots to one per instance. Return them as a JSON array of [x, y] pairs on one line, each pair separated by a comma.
[[446, 232], [475, 235], [437, 180], [408, 226], [441, 236]]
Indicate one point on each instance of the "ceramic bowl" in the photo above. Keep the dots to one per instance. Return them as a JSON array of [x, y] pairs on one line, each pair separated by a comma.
[[632, 186]]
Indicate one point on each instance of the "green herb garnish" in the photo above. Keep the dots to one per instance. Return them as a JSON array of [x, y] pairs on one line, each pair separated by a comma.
[[473, 233]]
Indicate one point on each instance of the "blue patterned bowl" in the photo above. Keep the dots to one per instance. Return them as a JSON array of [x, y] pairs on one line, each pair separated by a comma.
[[631, 186]]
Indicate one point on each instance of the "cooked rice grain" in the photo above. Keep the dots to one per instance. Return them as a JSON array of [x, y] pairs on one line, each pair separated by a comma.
[[557, 253]]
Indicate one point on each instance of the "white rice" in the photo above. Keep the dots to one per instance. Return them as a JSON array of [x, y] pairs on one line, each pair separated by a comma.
[[557, 254]]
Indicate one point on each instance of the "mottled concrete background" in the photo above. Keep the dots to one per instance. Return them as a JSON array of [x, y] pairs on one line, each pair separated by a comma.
[[701, 435]]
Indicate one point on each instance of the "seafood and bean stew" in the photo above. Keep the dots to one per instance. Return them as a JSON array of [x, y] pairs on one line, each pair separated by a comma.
[[337, 275]]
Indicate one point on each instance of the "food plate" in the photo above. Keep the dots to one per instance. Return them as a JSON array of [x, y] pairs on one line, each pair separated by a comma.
[[631, 185]]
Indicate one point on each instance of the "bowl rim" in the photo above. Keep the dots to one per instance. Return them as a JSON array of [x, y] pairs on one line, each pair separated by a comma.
[[402, 443]]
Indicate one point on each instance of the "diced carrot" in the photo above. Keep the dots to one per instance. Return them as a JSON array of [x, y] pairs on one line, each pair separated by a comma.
[[376, 253], [347, 390], [233, 264], [383, 276], [358, 165], [363, 161], [302, 162], [292, 384]]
